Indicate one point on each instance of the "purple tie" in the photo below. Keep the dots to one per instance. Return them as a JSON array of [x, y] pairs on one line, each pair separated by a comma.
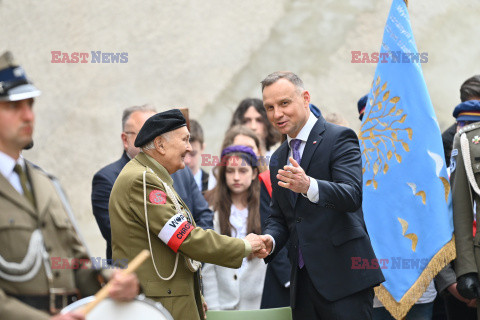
[[295, 146]]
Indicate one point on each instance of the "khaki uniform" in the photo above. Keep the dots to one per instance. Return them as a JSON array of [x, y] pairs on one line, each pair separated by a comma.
[[464, 195], [179, 295], [18, 220]]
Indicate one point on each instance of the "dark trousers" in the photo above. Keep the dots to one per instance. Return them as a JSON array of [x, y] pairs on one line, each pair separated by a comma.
[[311, 305]]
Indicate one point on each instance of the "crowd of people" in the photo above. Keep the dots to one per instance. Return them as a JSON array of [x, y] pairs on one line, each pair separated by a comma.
[[273, 224]]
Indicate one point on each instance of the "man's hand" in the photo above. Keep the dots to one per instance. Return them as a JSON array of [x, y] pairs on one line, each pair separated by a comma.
[[69, 316], [293, 178], [258, 247], [267, 240], [205, 308], [124, 287], [468, 286]]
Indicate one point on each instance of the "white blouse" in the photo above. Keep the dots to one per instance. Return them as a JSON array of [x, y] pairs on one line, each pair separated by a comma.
[[234, 289]]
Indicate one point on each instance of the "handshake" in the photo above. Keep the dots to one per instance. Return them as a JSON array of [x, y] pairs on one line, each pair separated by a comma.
[[261, 245]]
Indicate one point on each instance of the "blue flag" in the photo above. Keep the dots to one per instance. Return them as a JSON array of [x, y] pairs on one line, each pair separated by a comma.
[[406, 192]]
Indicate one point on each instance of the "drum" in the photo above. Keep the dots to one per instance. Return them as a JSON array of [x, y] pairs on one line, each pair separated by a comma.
[[139, 308]]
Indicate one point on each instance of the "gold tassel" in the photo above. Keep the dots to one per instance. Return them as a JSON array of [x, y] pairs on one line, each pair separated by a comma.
[[400, 309]]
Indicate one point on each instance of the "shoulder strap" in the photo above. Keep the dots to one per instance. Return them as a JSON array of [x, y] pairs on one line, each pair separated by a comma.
[[468, 163]]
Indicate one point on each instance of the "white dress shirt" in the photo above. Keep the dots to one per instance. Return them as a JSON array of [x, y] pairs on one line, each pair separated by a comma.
[[198, 179], [7, 164]]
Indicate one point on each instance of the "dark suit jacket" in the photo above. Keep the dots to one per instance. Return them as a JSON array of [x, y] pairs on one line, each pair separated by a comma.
[[331, 232], [184, 184], [275, 294]]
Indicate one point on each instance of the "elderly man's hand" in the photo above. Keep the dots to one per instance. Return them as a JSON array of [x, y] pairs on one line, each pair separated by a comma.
[[293, 178], [258, 247], [124, 287]]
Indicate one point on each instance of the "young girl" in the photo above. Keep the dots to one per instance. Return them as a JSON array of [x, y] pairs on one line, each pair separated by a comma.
[[239, 135], [236, 202]]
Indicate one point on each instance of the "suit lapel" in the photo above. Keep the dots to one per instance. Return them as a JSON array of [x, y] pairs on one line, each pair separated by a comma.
[[282, 158], [314, 139]]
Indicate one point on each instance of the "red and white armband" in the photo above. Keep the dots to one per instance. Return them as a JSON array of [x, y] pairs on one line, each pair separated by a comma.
[[175, 231]]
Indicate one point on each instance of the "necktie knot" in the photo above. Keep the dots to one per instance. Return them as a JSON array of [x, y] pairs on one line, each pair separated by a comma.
[[18, 169], [295, 143]]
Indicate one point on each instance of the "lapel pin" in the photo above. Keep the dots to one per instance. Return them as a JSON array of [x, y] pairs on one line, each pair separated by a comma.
[[314, 142]]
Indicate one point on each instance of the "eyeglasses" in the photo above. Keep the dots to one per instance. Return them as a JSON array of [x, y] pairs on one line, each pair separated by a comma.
[[130, 132]]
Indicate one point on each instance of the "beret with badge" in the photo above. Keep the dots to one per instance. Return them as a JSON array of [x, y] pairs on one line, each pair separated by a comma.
[[159, 124], [14, 84]]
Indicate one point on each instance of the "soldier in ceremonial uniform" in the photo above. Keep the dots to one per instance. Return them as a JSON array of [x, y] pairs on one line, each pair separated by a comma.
[[465, 178], [34, 226], [145, 211]]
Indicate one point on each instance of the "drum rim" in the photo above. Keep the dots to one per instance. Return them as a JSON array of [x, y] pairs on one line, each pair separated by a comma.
[[141, 297]]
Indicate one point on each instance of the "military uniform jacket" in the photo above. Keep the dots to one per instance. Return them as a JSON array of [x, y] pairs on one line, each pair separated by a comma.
[[18, 219], [180, 295], [464, 195]]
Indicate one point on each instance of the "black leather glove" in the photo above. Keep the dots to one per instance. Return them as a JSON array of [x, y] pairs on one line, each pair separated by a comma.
[[468, 286]]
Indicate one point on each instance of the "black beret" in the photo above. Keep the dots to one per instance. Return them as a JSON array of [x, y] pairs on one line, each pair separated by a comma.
[[159, 124]]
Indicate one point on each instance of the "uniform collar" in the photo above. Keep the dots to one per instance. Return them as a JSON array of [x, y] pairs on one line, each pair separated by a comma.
[[305, 131], [155, 166], [7, 164]]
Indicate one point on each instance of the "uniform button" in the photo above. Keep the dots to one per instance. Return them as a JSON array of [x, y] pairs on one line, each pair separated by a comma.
[[169, 291], [299, 219], [235, 277], [43, 225], [11, 221], [56, 274], [48, 249]]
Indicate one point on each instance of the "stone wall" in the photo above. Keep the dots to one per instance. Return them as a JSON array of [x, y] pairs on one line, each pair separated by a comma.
[[207, 56]]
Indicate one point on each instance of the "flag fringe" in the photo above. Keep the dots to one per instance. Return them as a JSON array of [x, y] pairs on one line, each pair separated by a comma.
[[399, 309]]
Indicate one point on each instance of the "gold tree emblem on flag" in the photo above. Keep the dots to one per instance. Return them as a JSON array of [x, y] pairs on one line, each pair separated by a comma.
[[379, 138]]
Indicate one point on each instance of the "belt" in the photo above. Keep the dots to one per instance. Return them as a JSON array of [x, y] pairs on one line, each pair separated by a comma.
[[43, 302]]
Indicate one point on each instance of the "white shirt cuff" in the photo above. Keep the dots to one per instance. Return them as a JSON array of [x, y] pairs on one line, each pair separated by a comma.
[[312, 193], [287, 285], [273, 246]]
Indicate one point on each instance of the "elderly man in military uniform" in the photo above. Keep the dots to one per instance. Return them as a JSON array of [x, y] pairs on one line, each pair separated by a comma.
[[145, 211], [34, 227], [465, 177]]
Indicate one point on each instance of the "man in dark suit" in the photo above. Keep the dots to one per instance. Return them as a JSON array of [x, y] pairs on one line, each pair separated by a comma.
[[317, 208], [276, 288], [132, 121]]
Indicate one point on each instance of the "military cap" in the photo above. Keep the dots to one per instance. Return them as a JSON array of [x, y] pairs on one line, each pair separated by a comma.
[[361, 104], [159, 124], [467, 111], [14, 84]]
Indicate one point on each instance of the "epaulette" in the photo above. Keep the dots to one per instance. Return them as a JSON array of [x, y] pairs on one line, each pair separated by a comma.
[[469, 127], [49, 175]]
